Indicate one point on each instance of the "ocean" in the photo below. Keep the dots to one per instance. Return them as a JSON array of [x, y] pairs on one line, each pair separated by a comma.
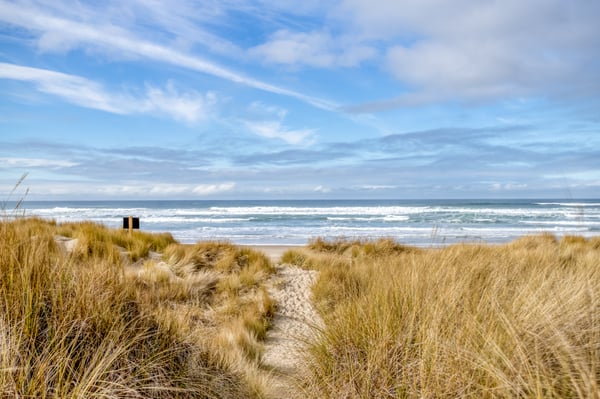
[[414, 222]]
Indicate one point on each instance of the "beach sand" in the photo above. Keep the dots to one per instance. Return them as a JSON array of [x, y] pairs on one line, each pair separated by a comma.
[[295, 323]]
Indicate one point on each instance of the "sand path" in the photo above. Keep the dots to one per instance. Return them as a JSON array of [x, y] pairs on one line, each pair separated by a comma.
[[295, 323]]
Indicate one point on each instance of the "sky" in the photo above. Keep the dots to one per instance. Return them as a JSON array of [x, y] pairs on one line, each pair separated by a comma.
[[281, 99]]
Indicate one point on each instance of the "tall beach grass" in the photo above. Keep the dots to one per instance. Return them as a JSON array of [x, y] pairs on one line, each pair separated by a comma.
[[480, 321], [106, 319]]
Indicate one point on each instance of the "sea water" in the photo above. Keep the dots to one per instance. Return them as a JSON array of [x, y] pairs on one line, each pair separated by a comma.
[[414, 222]]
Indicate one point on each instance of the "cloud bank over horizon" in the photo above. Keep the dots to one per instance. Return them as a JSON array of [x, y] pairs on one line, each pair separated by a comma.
[[266, 99]]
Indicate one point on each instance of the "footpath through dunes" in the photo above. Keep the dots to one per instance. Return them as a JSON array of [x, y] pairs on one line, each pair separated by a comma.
[[293, 326]]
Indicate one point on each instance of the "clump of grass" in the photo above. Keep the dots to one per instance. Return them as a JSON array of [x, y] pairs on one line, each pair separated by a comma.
[[85, 324], [341, 246], [336, 246], [160, 286], [238, 307], [294, 257], [104, 242], [517, 320]]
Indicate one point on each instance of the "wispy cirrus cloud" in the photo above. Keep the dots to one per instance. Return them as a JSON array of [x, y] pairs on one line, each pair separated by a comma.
[[187, 21], [63, 33], [188, 106], [268, 121], [73, 88]]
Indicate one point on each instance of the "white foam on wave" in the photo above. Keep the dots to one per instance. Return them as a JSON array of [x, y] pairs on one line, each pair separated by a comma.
[[395, 213], [387, 218], [349, 218], [339, 210], [580, 223], [396, 218], [518, 231], [511, 212], [295, 225], [569, 204], [192, 220]]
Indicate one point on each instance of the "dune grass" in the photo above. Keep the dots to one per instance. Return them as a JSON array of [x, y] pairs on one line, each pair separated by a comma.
[[480, 321], [92, 323], [95, 240], [112, 318]]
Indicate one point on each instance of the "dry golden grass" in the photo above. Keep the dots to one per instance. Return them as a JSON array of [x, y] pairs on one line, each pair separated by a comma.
[[517, 320], [239, 308], [92, 323], [100, 241], [106, 320]]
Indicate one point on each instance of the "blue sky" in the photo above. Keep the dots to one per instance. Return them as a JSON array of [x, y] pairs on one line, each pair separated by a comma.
[[278, 99]]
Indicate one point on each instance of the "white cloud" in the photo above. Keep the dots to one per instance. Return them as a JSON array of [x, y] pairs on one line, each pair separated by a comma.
[[206, 189], [167, 189], [268, 121], [68, 33], [37, 163], [188, 107], [74, 89], [160, 189], [260, 109], [508, 186], [322, 189], [376, 187], [276, 130], [185, 189], [184, 20], [482, 50], [316, 49], [469, 69]]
